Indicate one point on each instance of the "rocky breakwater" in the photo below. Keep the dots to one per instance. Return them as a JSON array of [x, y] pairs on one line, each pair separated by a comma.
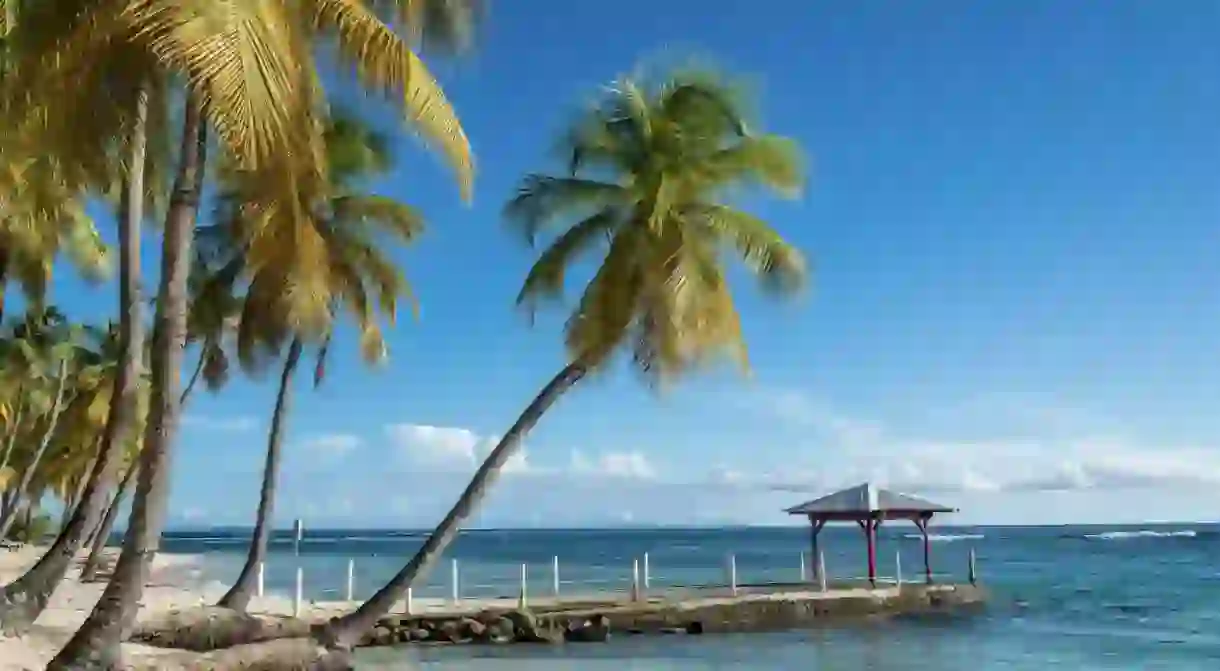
[[489, 627], [767, 610]]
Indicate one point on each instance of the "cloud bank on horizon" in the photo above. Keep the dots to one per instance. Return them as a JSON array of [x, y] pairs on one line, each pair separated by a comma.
[[407, 474]]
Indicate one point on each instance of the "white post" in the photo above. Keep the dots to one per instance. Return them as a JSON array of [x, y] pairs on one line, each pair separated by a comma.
[[457, 593], [410, 601], [298, 593], [898, 569], [821, 571], [351, 579], [973, 576], [523, 600], [635, 580], [804, 572], [555, 574], [733, 574], [298, 534], [261, 583], [647, 572]]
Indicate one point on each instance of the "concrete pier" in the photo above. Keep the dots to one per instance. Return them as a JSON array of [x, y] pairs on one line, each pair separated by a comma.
[[695, 611]]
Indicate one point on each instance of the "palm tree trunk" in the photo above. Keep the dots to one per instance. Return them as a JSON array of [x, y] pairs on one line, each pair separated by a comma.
[[24, 599], [11, 441], [52, 422], [343, 633], [78, 491], [238, 597], [99, 637], [190, 385], [8, 501], [97, 540], [3, 276]]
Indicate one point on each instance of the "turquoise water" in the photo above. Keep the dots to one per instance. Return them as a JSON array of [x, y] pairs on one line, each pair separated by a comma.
[[1087, 598]]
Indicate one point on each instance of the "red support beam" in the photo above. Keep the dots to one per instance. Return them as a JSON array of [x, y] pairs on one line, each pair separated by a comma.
[[869, 526], [816, 525], [922, 523]]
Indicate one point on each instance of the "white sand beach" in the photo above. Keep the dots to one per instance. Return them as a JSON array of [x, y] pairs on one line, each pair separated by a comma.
[[170, 589], [174, 585]]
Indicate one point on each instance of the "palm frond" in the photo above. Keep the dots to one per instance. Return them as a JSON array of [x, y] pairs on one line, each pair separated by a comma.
[[383, 61], [779, 265], [766, 160], [243, 57], [546, 277], [542, 199], [397, 218]]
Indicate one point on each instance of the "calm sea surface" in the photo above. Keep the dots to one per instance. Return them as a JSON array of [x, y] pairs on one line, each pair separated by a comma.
[[1086, 598]]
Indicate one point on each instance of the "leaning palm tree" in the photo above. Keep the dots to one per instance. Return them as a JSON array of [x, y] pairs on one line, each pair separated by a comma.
[[209, 324], [352, 228], [651, 169]]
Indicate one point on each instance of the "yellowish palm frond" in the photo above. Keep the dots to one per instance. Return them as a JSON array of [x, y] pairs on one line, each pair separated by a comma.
[[250, 66], [545, 280], [608, 306], [385, 62], [444, 25], [780, 266]]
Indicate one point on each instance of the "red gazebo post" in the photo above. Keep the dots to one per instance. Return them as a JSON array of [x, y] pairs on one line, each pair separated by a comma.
[[922, 523], [816, 524], [869, 525]]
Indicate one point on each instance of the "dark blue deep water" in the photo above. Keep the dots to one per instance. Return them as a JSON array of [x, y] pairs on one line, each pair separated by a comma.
[[1087, 598]]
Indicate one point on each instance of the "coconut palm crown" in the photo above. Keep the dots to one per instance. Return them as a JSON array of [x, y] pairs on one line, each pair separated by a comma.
[[652, 172]]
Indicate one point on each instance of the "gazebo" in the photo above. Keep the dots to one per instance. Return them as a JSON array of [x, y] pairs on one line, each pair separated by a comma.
[[869, 506]]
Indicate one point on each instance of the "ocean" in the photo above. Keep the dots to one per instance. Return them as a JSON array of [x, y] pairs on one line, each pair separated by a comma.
[[1137, 598]]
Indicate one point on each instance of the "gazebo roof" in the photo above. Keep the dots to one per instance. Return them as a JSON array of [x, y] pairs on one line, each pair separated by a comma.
[[867, 499]]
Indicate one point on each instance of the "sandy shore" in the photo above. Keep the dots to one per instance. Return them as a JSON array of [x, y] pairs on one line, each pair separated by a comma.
[[171, 588]]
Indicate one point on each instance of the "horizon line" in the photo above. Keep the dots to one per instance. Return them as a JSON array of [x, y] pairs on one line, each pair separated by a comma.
[[671, 527]]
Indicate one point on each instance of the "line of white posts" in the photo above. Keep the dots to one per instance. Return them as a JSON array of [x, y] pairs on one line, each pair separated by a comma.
[[641, 579]]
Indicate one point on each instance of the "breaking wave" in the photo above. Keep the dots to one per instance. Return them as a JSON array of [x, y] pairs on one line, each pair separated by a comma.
[[947, 538], [1142, 533]]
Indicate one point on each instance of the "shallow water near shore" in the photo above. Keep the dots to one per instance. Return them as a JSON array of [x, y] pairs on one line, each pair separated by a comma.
[[1087, 598]]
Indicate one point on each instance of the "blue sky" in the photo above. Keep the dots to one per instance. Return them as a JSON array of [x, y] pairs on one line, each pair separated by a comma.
[[1013, 219]]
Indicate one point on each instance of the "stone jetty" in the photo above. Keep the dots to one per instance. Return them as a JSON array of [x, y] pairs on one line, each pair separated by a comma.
[[769, 608]]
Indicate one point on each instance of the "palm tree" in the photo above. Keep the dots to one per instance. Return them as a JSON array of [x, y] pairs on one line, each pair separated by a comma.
[[210, 322], [49, 346], [251, 62], [650, 169], [23, 600], [353, 227]]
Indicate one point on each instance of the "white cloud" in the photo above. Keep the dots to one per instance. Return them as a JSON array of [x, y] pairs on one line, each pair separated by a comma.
[[447, 448], [443, 447], [331, 446], [634, 465], [1067, 455], [212, 423]]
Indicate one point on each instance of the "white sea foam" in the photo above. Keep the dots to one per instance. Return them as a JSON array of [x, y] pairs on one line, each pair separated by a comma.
[[947, 538], [1142, 533]]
